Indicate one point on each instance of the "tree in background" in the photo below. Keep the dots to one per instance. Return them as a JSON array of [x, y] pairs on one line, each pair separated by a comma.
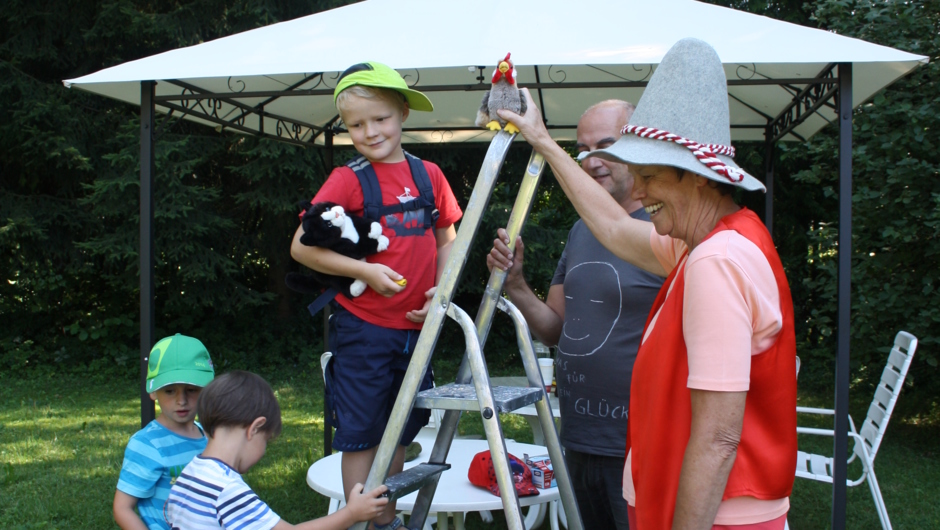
[[225, 203], [894, 203], [896, 200], [69, 194]]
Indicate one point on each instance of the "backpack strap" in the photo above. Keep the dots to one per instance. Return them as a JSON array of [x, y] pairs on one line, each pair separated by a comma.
[[321, 301], [369, 182], [374, 209], [426, 196]]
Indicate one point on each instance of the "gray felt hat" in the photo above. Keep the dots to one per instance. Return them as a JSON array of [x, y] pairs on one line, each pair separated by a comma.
[[687, 96]]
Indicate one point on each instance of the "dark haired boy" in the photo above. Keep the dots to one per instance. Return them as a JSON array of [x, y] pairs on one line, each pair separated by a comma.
[[239, 414]]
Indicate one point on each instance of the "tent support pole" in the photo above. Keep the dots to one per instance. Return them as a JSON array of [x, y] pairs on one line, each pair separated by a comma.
[[327, 429], [147, 111], [840, 440], [769, 180]]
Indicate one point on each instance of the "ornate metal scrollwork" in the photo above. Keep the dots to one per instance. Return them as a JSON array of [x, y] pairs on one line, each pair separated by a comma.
[[441, 136], [552, 71], [648, 69], [215, 105], [752, 70], [231, 113], [318, 76], [185, 102], [417, 77], [559, 75], [327, 78], [207, 106], [237, 82], [290, 130], [806, 102]]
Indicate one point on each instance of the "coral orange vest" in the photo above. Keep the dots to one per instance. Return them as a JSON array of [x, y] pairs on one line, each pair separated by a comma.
[[660, 409]]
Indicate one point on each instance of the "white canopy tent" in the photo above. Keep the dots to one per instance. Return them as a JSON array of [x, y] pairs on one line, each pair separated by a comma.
[[575, 54], [785, 83]]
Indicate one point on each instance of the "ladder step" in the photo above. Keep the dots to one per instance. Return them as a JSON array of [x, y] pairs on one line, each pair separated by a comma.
[[464, 397], [412, 479]]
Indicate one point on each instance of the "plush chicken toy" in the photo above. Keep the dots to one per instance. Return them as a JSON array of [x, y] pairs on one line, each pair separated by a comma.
[[503, 94]]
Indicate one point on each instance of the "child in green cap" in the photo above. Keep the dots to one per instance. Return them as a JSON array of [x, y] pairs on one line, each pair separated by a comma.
[[178, 369], [372, 335]]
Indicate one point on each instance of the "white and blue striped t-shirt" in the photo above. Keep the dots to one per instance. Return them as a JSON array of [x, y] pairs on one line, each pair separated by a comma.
[[209, 495], [154, 458]]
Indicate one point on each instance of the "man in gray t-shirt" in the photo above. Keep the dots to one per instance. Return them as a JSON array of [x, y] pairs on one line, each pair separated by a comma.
[[594, 312]]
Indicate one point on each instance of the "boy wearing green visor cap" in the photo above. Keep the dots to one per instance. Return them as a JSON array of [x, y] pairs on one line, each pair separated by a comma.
[[372, 335], [178, 369]]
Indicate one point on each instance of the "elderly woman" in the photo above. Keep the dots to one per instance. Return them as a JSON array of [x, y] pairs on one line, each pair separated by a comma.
[[712, 423]]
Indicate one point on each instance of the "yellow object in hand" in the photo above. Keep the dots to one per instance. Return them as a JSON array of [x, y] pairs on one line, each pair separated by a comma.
[[402, 282]]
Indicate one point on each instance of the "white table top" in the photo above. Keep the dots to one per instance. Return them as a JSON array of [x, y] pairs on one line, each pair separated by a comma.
[[454, 492]]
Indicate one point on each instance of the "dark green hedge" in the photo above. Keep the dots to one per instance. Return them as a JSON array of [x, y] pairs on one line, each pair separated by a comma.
[[225, 204]]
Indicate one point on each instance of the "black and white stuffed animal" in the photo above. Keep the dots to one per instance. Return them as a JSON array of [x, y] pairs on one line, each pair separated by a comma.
[[326, 225]]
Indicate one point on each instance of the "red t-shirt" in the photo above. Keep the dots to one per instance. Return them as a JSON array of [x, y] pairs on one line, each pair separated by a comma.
[[412, 251]]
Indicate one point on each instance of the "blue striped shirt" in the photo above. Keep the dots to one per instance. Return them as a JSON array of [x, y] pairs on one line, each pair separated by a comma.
[[210, 495], [154, 458]]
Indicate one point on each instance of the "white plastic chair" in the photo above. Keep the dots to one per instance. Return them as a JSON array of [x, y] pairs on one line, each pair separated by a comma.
[[867, 441], [325, 360]]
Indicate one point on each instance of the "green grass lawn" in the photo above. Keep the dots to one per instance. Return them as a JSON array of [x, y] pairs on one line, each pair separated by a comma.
[[62, 442]]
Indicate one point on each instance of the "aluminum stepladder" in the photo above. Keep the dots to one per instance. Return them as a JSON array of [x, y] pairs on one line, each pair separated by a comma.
[[472, 390]]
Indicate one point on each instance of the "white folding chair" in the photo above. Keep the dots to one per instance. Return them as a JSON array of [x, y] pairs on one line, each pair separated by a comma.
[[867, 441]]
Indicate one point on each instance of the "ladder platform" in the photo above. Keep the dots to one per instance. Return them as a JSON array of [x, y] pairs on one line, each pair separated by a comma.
[[464, 397], [412, 479]]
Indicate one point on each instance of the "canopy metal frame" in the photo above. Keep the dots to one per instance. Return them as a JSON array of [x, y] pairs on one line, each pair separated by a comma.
[[809, 95], [831, 88]]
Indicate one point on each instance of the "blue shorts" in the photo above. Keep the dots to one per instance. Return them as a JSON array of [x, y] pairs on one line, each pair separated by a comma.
[[363, 379]]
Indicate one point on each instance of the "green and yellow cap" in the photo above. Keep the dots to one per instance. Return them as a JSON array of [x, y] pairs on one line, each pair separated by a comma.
[[179, 360], [377, 75]]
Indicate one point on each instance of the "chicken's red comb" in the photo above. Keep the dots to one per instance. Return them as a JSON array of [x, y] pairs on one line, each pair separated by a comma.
[[507, 56]]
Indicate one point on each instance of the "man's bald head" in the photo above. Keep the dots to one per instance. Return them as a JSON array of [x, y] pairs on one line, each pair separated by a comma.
[[600, 127], [625, 107]]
